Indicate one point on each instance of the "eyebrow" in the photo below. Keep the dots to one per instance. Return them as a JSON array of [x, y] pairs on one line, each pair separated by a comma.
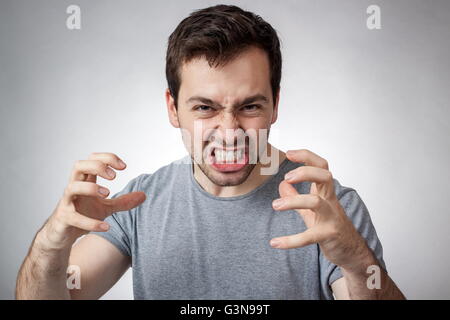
[[248, 100]]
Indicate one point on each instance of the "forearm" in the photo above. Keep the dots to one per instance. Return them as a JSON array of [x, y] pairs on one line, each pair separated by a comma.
[[43, 272], [359, 288]]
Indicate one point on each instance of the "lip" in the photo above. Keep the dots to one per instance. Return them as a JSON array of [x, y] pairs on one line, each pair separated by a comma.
[[227, 167]]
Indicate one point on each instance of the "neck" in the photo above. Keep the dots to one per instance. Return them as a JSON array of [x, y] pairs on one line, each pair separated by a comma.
[[260, 173]]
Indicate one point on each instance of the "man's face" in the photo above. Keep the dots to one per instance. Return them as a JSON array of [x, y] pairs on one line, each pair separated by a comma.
[[217, 106]]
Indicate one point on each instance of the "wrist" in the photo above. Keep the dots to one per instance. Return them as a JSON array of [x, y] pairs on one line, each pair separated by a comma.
[[55, 236], [49, 256], [363, 258]]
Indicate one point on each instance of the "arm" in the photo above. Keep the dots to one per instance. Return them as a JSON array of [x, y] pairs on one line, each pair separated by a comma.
[[101, 266], [82, 209], [354, 284], [329, 226], [43, 274]]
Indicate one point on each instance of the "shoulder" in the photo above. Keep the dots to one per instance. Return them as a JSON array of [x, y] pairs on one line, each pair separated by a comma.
[[343, 192], [165, 175]]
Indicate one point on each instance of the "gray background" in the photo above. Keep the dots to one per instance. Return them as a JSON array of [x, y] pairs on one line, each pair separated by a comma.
[[374, 103]]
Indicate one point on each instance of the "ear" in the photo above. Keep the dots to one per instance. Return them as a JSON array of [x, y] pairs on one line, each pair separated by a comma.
[[275, 108], [171, 109]]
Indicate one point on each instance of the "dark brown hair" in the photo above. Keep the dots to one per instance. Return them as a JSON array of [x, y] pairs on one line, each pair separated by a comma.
[[219, 33]]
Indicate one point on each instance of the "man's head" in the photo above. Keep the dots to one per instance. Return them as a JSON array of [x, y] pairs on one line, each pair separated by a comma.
[[223, 68]]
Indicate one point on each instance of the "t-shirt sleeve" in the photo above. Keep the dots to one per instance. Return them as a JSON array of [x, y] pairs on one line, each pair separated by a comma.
[[358, 213], [122, 223]]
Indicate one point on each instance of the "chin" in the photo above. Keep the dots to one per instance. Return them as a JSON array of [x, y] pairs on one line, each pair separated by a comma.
[[227, 179]]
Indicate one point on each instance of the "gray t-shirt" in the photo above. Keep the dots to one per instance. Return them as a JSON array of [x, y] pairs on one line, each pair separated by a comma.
[[185, 243]]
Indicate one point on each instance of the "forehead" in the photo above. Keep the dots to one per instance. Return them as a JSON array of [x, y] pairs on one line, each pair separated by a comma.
[[246, 74]]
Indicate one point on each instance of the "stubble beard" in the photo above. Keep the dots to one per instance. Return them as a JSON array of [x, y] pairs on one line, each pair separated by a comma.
[[224, 179]]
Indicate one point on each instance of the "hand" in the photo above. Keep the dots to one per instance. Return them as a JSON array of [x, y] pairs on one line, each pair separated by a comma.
[[84, 206], [325, 219]]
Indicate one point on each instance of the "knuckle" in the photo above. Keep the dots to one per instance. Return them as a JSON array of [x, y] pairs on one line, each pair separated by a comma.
[[77, 220], [100, 166], [303, 152], [69, 189], [70, 218], [300, 172], [77, 165], [93, 155], [297, 199], [60, 214], [113, 156], [316, 201], [329, 176], [333, 232], [91, 188], [109, 155], [88, 223], [59, 220]]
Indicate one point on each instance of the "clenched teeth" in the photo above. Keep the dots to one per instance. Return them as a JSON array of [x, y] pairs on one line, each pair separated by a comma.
[[228, 156]]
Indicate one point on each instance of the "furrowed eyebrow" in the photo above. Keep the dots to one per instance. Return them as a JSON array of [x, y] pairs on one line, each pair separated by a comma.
[[248, 100]]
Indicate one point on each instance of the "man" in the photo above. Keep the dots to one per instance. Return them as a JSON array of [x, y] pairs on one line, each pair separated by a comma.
[[220, 223]]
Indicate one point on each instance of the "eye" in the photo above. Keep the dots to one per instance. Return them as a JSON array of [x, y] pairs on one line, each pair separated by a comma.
[[250, 107], [204, 108]]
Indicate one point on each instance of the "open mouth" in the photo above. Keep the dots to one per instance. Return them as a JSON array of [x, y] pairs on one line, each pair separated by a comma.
[[228, 160]]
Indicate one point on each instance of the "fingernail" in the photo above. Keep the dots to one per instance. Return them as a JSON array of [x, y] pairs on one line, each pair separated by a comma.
[[103, 191], [278, 203], [275, 243], [110, 172], [289, 176], [122, 164], [104, 226]]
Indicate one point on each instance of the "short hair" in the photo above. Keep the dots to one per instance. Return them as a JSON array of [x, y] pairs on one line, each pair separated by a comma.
[[219, 33]]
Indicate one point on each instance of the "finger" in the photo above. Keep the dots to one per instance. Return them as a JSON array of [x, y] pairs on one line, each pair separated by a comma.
[[83, 188], [85, 223], [307, 173], [91, 168], [299, 201], [125, 202], [310, 236], [109, 158], [286, 189], [307, 157]]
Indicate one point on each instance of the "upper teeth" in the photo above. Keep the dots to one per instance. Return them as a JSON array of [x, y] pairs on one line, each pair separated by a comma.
[[228, 156]]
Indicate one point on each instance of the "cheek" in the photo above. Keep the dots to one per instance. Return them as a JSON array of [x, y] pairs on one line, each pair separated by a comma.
[[187, 138], [196, 133], [256, 123], [258, 127]]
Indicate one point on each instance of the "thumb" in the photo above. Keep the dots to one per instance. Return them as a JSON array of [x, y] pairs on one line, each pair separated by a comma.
[[125, 202]]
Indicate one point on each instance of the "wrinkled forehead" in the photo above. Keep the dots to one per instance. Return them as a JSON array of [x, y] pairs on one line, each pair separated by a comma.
[[245, 75]]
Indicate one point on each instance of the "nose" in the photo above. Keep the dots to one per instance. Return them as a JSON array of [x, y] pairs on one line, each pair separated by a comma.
[[229, 121], [229, 129]]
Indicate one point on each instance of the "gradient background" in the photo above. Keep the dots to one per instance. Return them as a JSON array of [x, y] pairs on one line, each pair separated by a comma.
[[374, 103]]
